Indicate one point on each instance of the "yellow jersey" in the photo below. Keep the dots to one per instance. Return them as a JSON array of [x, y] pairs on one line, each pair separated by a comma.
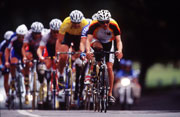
[[66, 27]]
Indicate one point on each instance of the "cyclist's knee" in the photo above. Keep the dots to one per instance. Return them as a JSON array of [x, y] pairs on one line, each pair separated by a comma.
[[109, 67], [48, 75], [97, 45], [14, 61]]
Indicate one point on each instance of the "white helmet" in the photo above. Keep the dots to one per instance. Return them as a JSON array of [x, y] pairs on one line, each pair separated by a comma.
[[37, 27], [8, 34], [55, 24], [76, 16], [103, 15], [89, 20], [21, 29], [95, 16]]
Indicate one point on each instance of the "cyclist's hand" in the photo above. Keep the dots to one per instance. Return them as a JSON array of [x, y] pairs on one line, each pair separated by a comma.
[[83, 56], [7, 64], [119, 54], [89, 55], [24, 59], [2, 67], [41, 59]]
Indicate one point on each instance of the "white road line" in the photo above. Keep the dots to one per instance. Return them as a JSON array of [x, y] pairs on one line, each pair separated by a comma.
[[24, 112]]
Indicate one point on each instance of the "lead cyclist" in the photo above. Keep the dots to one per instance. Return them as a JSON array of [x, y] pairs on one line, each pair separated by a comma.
[[102, 35]]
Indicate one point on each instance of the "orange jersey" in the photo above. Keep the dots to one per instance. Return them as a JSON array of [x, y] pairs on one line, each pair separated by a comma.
[[104, 35]]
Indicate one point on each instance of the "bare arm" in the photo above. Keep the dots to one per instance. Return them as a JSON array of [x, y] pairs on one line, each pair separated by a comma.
[[58, 42], [119, 43], [24, 50], [119, 46], [1, 58], [40, 51], [88, 43], [83, 44], [7, 54]]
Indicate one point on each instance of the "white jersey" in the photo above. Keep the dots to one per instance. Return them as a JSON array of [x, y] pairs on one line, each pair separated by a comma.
[[29, 39], [46, 38]]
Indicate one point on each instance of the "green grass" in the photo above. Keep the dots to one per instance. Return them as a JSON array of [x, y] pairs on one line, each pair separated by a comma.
[[161, 75]]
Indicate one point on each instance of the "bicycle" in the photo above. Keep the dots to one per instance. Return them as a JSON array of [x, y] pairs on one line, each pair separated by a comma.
[[101, 86], [17, 82], [33, 84], [88, 90], [54, 83], [68, 85]]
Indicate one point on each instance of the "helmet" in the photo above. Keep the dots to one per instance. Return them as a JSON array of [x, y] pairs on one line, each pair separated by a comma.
[[37, 27], [55, 24], [95, 16], [103, 15], [89, 20], [122, 62], [128, 63], [21, 29], [76, 16], [8, 34]]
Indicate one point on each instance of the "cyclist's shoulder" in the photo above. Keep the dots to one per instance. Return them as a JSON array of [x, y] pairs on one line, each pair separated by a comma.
[[84, 22], [113, 22], [67, 20], [94, 24]]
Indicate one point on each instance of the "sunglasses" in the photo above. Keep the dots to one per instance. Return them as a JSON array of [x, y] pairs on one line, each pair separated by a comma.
[[104, 22], [54, 31], [76, 22]]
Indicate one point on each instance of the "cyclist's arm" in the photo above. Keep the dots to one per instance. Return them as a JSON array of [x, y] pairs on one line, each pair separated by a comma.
[[1, 58], [88, 42], [7, 54], [59, 40], [119, 43], [40, 51], [83, 44], [24, 50]]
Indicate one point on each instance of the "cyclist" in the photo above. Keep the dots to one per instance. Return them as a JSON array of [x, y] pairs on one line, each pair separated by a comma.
[[5, 71], [80, 70], [47, 46], [13, 51], [102, 35], [70, 32], [127, 71], [29, 50]]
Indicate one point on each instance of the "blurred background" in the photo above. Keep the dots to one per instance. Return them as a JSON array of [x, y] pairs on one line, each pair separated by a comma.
[[149, 30]]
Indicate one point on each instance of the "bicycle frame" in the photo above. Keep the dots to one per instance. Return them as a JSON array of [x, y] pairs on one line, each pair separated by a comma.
[[102, 88]]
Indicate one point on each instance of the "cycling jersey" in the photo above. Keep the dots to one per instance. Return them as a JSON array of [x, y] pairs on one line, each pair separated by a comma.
[[4, 44], [15, 45], [85, 30], [104, 35], [66, 27], [71, 34], [33, 44], [48, 42], [122, 73]]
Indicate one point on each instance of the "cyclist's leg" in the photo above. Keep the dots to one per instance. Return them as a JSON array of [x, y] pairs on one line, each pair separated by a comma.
[[109, 62], [5, 73], [26, 75], [111, 76], [63, 57], [6, 85]]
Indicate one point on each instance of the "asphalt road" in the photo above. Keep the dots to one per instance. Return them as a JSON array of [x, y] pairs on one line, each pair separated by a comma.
[[153, 103], [82, 113]]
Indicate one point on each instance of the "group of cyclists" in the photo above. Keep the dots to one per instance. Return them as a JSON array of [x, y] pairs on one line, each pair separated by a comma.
[[84, 35]]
